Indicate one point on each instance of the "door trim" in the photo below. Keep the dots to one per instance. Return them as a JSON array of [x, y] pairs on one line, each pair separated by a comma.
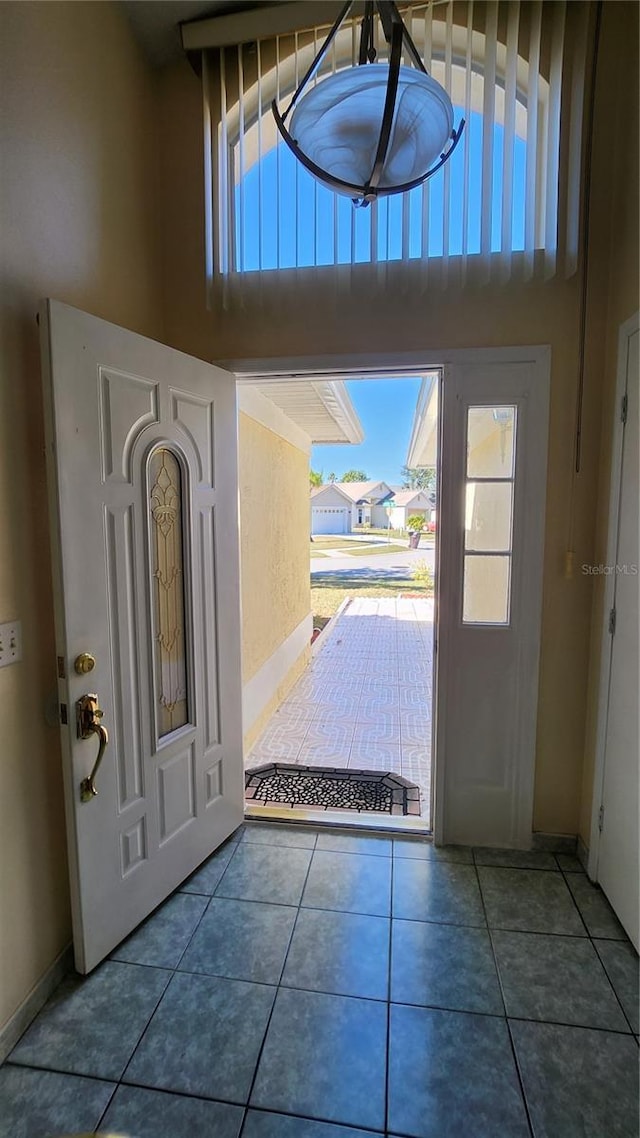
[[532, 585], [625, 332], [362, 364], [397, 365]]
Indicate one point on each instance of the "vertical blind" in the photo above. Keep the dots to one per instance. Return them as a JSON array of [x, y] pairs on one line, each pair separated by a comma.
[[506, 203]]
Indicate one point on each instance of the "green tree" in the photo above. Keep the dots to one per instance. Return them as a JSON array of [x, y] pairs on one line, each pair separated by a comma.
[[355, 476], [331, 477], [316, 478], [418, 477]]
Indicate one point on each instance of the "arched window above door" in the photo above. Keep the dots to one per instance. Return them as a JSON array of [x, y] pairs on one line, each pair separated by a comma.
[[509, 74]]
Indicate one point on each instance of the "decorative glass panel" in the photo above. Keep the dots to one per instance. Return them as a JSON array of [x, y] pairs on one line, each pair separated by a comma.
[[488, 516], [167, 559], [490, 442], [486, 589]]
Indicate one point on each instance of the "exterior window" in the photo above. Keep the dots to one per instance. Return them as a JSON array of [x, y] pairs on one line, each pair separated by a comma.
[[488, 526], [317, 227], [505, 71], [169, 606]]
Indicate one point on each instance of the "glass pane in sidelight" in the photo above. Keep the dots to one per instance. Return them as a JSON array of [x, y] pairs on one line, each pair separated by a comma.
[[490, 442], [488, 513], [485, 596], [167, 564]]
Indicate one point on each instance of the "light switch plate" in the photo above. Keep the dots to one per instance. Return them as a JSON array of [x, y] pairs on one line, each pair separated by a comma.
[[10, 642]]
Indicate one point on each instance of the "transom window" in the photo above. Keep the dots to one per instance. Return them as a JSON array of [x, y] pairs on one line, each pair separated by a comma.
[[504, 65]]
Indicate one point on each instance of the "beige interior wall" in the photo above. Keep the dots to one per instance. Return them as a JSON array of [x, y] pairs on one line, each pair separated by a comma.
[[78, 201], [274, 541], [76, 223], [300, 316], [617, 187]]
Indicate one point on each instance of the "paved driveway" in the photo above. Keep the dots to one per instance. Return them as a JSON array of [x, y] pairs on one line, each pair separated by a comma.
[[364, 702]]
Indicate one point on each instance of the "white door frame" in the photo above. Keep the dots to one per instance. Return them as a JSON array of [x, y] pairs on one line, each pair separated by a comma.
[[397, 365], [625, 332]]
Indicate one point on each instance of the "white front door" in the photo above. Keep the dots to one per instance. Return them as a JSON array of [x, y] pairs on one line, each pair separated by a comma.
[[491, 537], [617, 851], [141, 450]]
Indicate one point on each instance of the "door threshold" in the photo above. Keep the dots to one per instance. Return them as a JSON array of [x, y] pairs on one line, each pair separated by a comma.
[[345, 819]]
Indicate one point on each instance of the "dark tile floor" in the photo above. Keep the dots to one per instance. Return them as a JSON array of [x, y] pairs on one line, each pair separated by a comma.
[[335, 985]]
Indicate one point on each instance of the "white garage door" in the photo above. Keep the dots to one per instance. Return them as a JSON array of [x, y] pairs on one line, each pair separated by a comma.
[[329, 519]]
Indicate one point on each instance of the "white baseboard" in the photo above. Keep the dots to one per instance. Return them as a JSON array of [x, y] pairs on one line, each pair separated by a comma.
[[261, 688], [37, 998]]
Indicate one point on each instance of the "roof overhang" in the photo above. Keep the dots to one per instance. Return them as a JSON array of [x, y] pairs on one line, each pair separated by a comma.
[[318, 491], [423, 447], [321, 408]]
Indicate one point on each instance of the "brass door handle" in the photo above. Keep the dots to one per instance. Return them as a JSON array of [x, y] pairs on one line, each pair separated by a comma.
[[88, 715]]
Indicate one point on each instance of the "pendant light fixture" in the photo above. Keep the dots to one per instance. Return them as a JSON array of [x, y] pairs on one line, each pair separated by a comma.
[[373, 129]]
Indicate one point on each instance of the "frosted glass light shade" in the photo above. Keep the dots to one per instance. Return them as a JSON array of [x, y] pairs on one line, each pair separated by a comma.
[[337, 125]]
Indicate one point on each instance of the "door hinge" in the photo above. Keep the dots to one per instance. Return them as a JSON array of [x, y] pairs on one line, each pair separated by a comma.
[[612, 621], [600, 818], [624, 408], [63, 714]]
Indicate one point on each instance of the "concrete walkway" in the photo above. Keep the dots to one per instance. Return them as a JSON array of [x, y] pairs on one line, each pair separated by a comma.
[[364, 702], [401, 561]]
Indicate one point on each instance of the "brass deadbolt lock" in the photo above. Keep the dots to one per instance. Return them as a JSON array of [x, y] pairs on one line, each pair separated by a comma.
[[84, 663]]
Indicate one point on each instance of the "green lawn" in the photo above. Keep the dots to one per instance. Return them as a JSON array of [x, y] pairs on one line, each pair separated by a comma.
[[387, 547], [329, 590], [319, 544]]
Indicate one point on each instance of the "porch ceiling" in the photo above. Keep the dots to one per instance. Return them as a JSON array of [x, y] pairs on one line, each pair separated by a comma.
[[321, 408]]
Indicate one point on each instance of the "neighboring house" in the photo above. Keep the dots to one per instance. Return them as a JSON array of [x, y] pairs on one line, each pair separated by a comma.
[[330, 509], [340, 507], [408, 503]]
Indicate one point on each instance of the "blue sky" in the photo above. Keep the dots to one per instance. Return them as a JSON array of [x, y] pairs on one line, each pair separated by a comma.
[[307, 235], [385, 408], [309, 225]]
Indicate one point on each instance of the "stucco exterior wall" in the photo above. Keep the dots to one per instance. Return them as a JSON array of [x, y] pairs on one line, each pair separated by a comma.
[[76, 223], [274, 541]]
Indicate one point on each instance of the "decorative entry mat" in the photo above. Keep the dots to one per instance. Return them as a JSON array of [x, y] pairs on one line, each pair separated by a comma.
[[330, 788]]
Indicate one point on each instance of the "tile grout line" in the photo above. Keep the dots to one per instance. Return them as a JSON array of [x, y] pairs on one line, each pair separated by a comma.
[[591, 941], [575, 903], [123, 1072], [387, 1070], [514, 1056], [278, 987], [346, 1126], [167, 985], [604, 967]]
